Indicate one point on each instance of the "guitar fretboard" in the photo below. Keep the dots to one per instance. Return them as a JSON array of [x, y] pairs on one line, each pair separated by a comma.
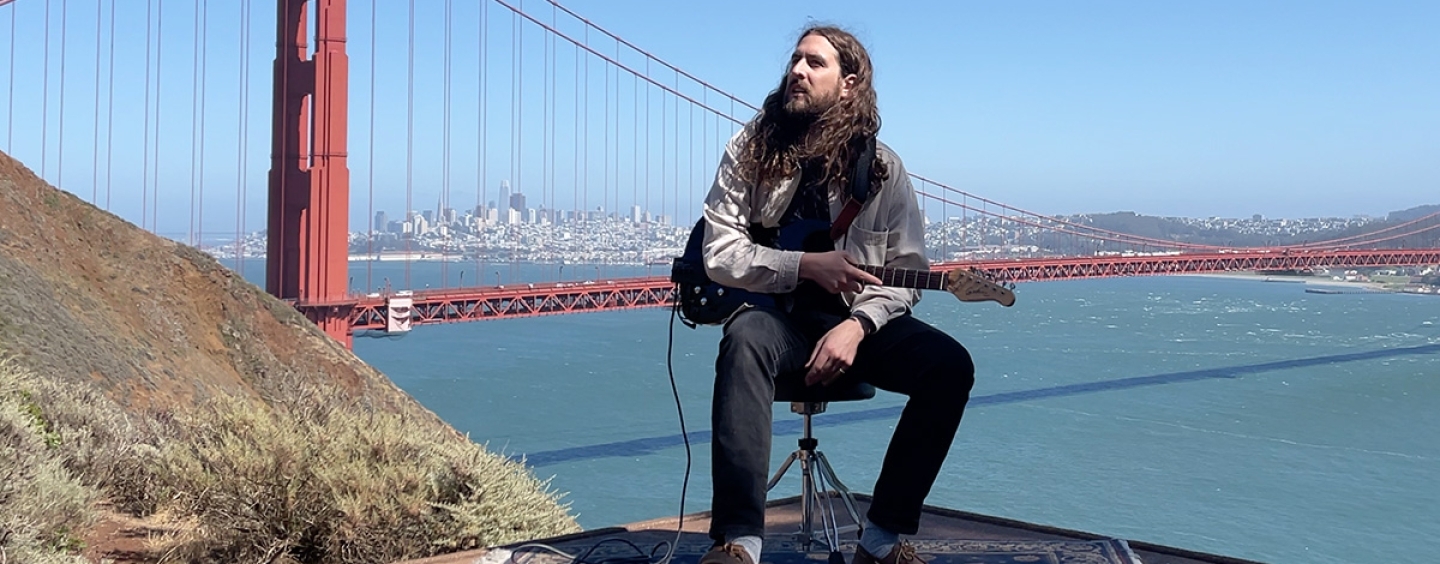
[[907, 278]]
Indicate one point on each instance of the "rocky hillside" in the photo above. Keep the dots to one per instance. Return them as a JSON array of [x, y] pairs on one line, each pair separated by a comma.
[[89, 302]]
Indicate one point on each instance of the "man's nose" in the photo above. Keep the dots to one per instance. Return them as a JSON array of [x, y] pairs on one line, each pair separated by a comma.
[[797, 70]]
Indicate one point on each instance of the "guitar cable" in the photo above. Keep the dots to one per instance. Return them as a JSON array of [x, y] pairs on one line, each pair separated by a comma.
[[680, 413], [512, 556]]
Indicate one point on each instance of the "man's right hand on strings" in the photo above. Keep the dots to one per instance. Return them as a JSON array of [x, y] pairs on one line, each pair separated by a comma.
[[835, 272]]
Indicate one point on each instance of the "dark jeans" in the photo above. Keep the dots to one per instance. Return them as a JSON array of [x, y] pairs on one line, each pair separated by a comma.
[[905, 356]]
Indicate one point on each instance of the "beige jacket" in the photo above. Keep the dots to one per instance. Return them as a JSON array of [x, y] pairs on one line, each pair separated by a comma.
[[888, 231]]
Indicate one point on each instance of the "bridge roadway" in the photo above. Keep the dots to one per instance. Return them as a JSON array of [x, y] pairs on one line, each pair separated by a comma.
[[374, 312]]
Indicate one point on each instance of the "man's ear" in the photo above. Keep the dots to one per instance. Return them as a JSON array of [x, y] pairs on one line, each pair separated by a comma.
[[848, 83]]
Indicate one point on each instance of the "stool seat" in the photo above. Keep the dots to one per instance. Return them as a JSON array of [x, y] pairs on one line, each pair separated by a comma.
[[791, 388]]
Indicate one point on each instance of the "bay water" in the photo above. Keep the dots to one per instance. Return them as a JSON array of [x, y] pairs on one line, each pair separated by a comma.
[[1219, 414]]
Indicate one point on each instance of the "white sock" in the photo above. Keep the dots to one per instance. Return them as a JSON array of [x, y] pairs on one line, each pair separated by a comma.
[[878, 541], [751, 544]]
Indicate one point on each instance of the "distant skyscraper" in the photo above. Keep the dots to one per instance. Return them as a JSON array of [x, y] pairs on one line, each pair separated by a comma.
[[517, 202], [381, 222]]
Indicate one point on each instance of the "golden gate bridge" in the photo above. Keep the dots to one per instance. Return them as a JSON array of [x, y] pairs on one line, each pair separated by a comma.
[[540, 99]]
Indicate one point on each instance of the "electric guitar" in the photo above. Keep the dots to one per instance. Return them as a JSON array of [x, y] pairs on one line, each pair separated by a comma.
[[705, 302]]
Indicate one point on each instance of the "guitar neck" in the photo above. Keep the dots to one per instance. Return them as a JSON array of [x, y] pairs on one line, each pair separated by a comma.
[[907, 278]]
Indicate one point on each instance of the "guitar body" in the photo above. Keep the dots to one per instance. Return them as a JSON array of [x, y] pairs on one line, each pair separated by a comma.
[[705, 302], [811, 236], [702, 301]]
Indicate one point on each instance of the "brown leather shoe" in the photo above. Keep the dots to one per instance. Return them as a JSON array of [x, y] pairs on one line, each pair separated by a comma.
[[903, 553], [729, 553]]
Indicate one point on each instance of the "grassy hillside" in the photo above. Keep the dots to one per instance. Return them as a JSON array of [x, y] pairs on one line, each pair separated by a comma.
[[144, 381]]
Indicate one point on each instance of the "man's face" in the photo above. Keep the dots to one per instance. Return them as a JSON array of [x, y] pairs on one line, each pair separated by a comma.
[[814, 82]]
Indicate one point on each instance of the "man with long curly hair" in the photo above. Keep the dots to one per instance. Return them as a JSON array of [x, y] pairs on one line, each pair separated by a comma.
[[793, 162]]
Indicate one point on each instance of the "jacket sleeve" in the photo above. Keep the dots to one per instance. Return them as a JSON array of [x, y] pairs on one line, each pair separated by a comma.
[[732, 258], [904, 245]]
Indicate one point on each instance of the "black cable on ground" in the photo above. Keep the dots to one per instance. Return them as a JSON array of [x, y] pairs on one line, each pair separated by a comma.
[[640, 557]]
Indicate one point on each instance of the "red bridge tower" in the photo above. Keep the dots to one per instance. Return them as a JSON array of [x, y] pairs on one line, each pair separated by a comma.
[[309, 210]]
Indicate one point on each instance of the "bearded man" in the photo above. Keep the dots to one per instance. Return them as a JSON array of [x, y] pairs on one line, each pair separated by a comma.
[[792, 163]]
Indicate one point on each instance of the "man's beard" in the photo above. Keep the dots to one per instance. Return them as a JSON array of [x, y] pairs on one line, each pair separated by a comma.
[[792, 126], [808, 107]]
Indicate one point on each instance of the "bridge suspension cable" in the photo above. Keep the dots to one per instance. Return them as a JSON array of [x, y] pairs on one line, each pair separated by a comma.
[[667, 106], [1079, 229], [1014, 213], [1371, 236]]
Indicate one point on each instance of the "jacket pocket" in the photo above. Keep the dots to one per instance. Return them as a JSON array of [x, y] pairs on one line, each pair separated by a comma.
[[868, 246]]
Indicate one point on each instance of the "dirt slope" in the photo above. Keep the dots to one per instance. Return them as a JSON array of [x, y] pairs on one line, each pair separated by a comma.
[[86, 296]]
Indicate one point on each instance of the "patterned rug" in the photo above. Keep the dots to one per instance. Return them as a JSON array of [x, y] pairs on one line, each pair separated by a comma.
[[1110, 551]]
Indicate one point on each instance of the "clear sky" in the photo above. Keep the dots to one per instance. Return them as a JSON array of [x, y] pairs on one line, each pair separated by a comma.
[[1224, 108], [1286, 109]]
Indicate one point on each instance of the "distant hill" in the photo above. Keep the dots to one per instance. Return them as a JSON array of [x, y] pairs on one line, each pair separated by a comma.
[[1142, 225], [1253, 232], [1412, 213]]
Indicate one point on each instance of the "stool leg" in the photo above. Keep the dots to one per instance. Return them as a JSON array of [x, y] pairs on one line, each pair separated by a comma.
[[817, 477], [829, 523], [807, 498], [781, 472], [845, 496]]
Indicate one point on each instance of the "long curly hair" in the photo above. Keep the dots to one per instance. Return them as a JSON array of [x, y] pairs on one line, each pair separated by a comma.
[[780, 141]]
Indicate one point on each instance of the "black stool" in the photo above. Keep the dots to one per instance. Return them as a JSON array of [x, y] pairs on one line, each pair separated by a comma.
[[815, 470]]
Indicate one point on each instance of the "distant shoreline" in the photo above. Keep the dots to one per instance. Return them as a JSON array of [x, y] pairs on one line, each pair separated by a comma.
[[1308, 280], [438, 258], [392, 257]]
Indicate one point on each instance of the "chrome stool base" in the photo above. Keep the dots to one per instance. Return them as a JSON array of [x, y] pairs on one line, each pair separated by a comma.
[[819, 487]]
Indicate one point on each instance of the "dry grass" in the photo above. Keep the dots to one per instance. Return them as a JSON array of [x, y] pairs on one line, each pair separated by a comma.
[[303, 477], [318, 481], [43, 504]]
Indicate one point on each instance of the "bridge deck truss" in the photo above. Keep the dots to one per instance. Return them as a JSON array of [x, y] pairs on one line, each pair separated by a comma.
[[528, 300]]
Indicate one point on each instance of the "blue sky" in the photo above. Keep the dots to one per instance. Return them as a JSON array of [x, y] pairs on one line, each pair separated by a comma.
[[1286, 109], [1170, 108]]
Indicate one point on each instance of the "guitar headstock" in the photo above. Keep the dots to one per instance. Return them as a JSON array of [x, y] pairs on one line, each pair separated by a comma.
[[974, 286]]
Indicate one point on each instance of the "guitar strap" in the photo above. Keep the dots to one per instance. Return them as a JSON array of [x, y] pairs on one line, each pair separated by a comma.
[[859, 188]]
